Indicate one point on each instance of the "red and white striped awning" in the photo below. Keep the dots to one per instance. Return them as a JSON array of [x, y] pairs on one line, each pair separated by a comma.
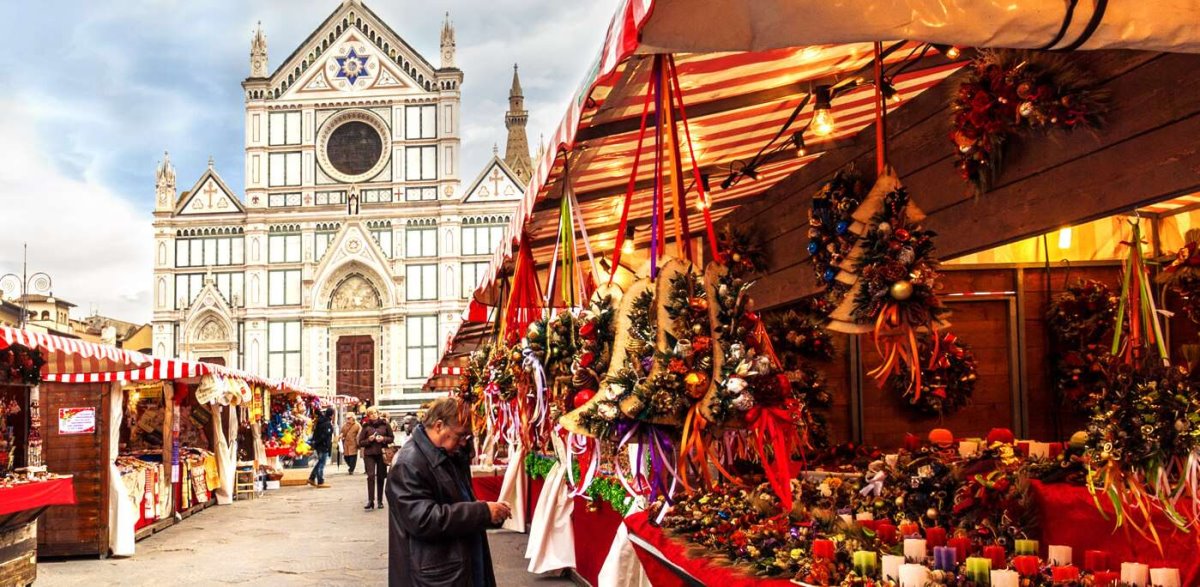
[[73, 356], [160, 369]]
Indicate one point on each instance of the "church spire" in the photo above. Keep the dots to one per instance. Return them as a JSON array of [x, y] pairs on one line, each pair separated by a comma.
[[164, 184], [448, 45], [516, 152], [258, 53]]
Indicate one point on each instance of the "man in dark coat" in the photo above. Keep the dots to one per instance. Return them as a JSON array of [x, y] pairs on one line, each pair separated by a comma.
[[437, 536], [322, 445]]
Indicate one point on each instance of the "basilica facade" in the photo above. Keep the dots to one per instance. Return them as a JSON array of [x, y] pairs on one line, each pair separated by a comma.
[[352, 251]]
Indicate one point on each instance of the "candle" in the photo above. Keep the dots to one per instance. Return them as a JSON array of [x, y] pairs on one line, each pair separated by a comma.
[[1065, 574], [1164, 577], [1136, 574], [908, 529], [962, 545], [1105, 578], [996, 553], [891, 567], [967, 448], [822, 549], [914, 575], [1039, 450], [847, 518], [1026, 564], [935, 536], [860, 516], [1005, 578], [1026, 547], [1059, 555], [864, 563], [1095, 560], [945, 558], [886, 531], [914, 550], [979, 569]]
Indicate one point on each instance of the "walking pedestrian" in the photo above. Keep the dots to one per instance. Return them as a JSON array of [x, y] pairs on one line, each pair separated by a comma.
[[375, 435], [437, 531], [322, 445], [348, 435]]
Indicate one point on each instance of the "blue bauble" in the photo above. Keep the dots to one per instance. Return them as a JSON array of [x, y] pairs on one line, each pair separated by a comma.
[[813, 247], [842, 227], [830, 274]]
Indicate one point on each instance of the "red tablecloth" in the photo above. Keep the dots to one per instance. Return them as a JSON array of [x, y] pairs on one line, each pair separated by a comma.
[[1068, 515], [31, 496], [487, 488], [660, 572], [594, 533]]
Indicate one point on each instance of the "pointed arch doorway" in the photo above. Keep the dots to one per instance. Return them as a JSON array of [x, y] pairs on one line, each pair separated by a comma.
[[354, 305]]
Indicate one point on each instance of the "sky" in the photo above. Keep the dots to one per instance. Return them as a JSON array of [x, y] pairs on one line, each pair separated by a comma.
[[100, 90]]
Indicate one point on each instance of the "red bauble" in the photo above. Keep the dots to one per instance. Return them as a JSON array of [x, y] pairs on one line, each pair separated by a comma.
[[582, 397]]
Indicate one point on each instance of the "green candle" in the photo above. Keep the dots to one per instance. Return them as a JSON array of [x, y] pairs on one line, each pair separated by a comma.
[[1026, 547], [979, 570], [864, 563]]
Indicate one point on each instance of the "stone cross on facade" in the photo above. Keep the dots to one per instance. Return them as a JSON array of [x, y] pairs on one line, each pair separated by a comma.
[[209, 191], [495, 177]]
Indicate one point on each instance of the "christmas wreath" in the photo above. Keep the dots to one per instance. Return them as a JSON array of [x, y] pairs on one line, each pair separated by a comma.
[[1182, 276], [948, 378], [1080, 322], [1006, 92]]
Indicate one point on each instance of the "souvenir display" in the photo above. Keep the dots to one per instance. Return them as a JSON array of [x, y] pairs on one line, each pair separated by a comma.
[[1081, 321], [948, 378]]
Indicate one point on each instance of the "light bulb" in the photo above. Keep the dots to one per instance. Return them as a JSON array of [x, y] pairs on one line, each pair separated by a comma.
[[953, 52], [1064, 238], [802, 152], [627, 247], [823, 122]]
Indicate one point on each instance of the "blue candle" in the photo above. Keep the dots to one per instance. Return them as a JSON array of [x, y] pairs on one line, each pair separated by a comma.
[[944, 558]]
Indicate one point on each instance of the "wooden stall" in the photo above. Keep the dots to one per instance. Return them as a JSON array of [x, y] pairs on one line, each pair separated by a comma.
[[82, 528]]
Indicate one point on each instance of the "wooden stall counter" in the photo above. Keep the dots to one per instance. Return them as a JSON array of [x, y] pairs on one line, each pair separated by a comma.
[[20, 506]]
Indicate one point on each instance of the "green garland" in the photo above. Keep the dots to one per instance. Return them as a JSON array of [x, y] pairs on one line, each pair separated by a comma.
[[602, 489]]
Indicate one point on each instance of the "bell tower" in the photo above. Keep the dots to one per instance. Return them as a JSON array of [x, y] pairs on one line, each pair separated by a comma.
[[164, 185], [516, 152], [258, 53], [448, 45]]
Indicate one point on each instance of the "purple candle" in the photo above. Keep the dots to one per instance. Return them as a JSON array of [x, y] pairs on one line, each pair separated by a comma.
[[944, 558]]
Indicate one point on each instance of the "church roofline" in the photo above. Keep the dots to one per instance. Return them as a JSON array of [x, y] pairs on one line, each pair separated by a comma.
[[346, 7], [181, 201], [483, 175]]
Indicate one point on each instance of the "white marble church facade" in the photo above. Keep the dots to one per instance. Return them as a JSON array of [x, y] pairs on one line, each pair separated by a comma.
[[352, 250]]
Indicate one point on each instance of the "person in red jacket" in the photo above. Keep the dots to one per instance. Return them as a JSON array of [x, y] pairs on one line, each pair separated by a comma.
[[375, 435]]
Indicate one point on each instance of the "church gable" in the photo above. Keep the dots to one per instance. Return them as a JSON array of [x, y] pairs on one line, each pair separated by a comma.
[[352, 250], [353, 50], [210, 195], [497, 183]]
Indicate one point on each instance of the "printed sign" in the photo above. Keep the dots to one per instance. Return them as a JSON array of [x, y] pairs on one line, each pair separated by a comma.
[[77, 420]]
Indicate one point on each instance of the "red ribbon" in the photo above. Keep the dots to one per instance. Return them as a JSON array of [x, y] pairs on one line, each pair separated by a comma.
[[774, 427]]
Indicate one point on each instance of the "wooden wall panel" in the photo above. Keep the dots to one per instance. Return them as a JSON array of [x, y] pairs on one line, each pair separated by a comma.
[[82, 528]]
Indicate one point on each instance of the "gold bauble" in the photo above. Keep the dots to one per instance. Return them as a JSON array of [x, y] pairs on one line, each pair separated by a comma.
[[696, 384], [902, 290]]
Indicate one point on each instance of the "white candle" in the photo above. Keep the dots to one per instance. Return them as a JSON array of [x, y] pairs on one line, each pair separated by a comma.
[[1005, 578], [847, 518], [914, 575], [914, 549], [1164, 577], [860, 516], [891, 566], [1039, 450], [967, 448], [1059, 555], [1135, 574]]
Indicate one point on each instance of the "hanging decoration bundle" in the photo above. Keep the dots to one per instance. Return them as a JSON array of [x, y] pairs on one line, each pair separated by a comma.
[[830, 219], [1008, 91], [799, 336], [1182, 276], [948, 379], [893, 274], [20, 365], [1080, 322]]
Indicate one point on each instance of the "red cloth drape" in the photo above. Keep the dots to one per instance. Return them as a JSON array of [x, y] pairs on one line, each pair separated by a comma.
[[31, 496], [594, 533], [709, 573]]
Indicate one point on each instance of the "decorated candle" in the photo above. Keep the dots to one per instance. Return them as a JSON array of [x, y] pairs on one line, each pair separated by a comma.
[[961, 545], [1026, 564], [1136, 574], [1105, 578], [847, 518], [1066, 574], [1164, 577], [914, 549], [860, 516], [1005, 578], [1059, 555], [944, 558], [995, 552], [967, 448], [891, 567], [1039, 450], [1095, 560], [909, 529], [864, 563], [935, 536], [1026, 547], [914, 575], [886, 531], [822, 549], [979, 569]]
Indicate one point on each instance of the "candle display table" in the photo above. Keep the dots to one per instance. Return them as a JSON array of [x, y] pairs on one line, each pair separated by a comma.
[[20, 506]]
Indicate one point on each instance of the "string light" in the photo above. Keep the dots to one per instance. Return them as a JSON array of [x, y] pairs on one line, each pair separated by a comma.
[[888, 89], [823, 122], [627, 246], [798, 140], [950, 51]]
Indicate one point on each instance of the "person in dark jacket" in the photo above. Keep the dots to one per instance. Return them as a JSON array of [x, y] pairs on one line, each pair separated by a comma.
[[375, 435], [437, 532], [322, 445]]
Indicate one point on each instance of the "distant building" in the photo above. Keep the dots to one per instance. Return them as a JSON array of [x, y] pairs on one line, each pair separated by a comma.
[[352, 251]]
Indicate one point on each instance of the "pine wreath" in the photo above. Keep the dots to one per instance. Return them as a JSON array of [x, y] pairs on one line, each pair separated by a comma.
[[1183, 276], [948, 379], [1080, 322]]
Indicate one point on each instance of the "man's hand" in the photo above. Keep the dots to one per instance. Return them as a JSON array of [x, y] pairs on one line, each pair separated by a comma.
[[500, 511]]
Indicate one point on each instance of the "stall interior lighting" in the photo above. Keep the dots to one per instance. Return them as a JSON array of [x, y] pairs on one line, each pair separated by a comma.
[[627, 247], [798, 140], [1064, 238], [823, 121]]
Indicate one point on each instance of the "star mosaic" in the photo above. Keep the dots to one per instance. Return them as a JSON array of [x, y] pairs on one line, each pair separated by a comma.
[[352, 66]]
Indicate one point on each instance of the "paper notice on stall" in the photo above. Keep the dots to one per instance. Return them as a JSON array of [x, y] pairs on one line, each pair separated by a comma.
[[77, 420]]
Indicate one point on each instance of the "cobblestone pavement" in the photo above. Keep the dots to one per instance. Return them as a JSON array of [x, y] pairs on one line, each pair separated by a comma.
[[292, 536]]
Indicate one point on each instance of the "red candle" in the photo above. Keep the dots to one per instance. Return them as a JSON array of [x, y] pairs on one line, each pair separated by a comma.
[[868, 524], [822, 549], [1026, 564], [1095, 560], [1106, 578], [1065, 574], [935, 536], [908, 529], [996, 553], [962, 547], [886, 531]]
